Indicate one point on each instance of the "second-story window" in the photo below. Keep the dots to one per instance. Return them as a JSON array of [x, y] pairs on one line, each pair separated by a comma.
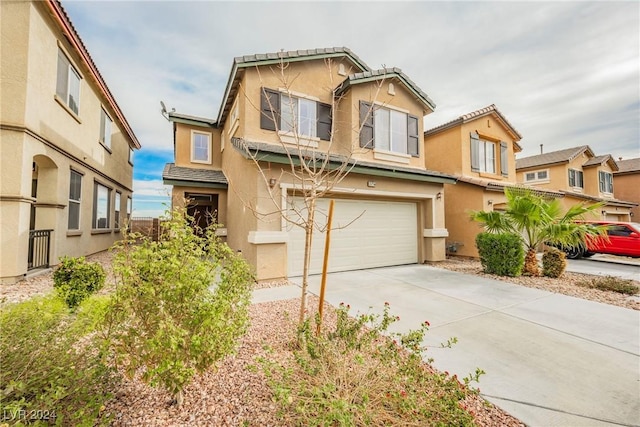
[[483, 155], [536, 176], [105, 129], [576, 178], [294, 114], [68, 83], [605, 182], [200, 147], [389, 130]]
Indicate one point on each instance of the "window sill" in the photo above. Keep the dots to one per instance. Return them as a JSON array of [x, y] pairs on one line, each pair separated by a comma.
[[391, 156], [577, 189], [66, 108], [105, 147], [200, 162], [498, 177], [304, 141], [536, 181], [74, 233], [101, 231]]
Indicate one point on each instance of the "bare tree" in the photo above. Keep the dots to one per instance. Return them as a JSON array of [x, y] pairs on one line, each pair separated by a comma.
[[314, 172]]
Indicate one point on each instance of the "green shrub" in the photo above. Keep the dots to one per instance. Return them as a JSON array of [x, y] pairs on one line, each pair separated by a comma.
[[501, 254], [180, 305], [75, 279], [354, 375], [611, 283], [554, 262], [52, 362]]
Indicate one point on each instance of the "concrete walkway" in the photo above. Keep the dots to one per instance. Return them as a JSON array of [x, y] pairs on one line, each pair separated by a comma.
[[550, 359]]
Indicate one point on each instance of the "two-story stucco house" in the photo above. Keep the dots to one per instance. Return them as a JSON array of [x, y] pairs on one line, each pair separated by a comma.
[[626, 184], [478, 148], [315, 106], [580, 175], [65, 145]]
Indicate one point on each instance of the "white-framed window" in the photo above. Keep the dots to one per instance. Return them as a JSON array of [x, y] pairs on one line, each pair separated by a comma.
[[483, 155], [200, 147], [536, 176], [298, 115], [75, 198], [390, 130], [576, 178], [130, 156], [116, 210], [129, 208], [605, 180], [105, 128], [68, 83], [101, 202]]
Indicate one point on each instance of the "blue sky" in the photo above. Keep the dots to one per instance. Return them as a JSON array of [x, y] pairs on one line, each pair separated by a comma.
[[563, 73]]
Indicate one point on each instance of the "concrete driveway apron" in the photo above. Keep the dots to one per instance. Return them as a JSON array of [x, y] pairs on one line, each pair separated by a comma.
[[550, 359]]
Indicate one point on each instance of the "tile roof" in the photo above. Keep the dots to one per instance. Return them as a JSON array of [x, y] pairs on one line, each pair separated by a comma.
[[179, 117], [260, 147], [598, 160], [491, 109], [607, 202], [559, 156], [385, 73], [628, 165], [499, 186], [180, 173]]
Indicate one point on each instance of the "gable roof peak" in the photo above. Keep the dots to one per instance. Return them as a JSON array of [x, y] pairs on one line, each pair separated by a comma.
[[465, 118], [559, 156]]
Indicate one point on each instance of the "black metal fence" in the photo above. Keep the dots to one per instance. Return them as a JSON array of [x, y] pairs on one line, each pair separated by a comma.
[[39, 248]]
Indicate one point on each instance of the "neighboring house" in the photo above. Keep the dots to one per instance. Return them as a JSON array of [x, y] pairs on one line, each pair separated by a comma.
[[479, 149], [65, 144], [390, 201], [626, 184], [580, 175]]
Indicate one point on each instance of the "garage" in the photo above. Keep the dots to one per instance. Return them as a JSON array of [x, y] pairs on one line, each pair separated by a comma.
[[366, 234]]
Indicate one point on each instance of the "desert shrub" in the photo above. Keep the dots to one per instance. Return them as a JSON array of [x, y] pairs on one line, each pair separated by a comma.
[[353, 374], [554, 262], [75, 279], [501, 254], [180, 305], [611, 283], [53, 367]]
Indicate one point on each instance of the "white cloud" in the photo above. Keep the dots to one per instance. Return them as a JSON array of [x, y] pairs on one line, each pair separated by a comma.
[[563, 73]]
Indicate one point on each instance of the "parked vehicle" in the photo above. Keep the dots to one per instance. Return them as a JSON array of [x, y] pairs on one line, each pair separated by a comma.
[[623, 240]]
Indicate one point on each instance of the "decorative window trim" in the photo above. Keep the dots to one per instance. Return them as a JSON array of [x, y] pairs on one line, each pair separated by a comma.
[[209, 137], [302, 140], [536, 178], [391, 156]]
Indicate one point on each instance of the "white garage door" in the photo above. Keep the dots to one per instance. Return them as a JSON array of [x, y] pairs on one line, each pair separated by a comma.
[[380, 234]]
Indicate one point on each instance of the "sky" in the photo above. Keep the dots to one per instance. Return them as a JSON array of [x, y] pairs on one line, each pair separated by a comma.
[[564, 74]]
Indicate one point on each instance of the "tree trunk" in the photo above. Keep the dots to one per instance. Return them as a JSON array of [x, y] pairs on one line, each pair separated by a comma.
[[308, 239], [531, 263]]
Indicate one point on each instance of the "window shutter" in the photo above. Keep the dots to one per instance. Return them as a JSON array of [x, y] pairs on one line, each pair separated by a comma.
[[366, 125], [475, 159], [572, 178], [504, 161], [580, 179], [269, 108], [62, 80], [324, 121], [601, 181], [413, 142]]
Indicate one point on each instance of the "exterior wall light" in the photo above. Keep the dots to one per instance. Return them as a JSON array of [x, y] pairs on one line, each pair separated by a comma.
[[490, 202], [272, 182], [439, 195]]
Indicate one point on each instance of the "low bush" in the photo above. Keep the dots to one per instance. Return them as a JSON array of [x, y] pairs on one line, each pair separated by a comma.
[[501, 254], [355, 375], [180, 305], [75, 279], [53, 367], [611, 283], [554, 262]]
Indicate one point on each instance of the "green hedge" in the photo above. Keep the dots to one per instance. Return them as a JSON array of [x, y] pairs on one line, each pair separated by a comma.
[[553, 262], [76, 279], [501, 254]]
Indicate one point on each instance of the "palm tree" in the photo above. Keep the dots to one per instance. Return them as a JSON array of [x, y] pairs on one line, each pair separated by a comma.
[[540, 220]]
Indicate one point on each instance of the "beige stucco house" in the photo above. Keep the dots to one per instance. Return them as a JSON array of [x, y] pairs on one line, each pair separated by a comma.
[[478, 148], [626, 184], [580, 175], [65, 145], [320, 106]]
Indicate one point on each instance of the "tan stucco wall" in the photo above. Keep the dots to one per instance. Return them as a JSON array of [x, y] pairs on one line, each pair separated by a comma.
[[459, 200], [627, 187], [183, 146], [37, 128], [443, 151]]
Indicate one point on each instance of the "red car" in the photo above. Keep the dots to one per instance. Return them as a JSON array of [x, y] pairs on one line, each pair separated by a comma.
[[624, 240]]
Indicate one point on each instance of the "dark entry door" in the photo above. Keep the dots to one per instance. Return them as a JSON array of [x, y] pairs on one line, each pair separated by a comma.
[[203, 208]]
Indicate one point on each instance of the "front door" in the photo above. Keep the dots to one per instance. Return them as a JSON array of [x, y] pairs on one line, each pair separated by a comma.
[[203, 208]]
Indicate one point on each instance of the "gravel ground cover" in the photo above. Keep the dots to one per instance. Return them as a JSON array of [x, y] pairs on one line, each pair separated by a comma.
[[237, 392]]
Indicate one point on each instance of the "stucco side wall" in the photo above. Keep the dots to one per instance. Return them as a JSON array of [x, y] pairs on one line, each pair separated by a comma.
[[627, 187], [14, 28], [592, 180], [459, 200], [443, 151]]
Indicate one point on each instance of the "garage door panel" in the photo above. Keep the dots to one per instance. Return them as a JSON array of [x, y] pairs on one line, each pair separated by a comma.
[[365, 234]]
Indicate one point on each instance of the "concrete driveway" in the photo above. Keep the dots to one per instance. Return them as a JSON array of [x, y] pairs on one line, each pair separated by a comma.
[[550, 359]]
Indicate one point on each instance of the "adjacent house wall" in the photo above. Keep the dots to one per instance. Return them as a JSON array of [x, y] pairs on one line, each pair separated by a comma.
[[626, 186]]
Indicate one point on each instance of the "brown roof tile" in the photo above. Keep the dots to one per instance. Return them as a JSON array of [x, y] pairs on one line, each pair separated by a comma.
[[179, 173], [628, 165], [491, 109], [560, 156]]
